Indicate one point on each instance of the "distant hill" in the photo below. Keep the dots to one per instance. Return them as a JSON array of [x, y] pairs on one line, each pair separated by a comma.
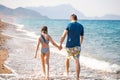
[[65, 10], [110, 16], [106, 17], [58, 12], [20, 13]]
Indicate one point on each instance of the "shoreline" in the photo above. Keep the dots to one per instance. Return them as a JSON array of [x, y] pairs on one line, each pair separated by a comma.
[[92, 74]]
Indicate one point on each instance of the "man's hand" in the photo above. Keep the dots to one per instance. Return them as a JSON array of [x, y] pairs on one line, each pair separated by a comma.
[[60, 47]]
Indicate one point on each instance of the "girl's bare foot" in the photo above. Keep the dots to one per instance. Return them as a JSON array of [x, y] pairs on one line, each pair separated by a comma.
[[46, 78], [43, 76], [77, 78]]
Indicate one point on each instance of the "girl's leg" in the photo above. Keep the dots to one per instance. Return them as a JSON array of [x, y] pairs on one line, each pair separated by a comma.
[[47, 64], [43, 63]]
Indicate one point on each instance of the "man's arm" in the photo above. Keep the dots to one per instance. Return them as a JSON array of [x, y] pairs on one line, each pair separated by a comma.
[[82, 36], [63, 37], [81, 39]]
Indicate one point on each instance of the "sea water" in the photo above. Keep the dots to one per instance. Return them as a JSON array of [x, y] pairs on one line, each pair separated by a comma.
[[100, 48]]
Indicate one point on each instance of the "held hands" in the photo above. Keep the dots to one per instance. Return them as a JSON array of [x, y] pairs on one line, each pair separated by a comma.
[[60, 47]]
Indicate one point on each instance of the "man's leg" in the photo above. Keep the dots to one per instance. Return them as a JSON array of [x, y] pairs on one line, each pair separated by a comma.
[[67, 66], [77, 68]]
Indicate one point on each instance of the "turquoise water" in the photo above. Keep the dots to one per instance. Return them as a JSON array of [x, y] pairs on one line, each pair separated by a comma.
[[101, 41]]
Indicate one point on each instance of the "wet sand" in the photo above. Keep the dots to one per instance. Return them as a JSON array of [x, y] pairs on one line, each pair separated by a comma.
[[3, 50], [27, 68]]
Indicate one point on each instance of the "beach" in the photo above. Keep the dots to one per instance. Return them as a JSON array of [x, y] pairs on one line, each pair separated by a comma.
[[21, 50]]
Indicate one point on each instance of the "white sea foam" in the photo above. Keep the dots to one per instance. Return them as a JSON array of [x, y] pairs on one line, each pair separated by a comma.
[[99, 65], [28, 33]]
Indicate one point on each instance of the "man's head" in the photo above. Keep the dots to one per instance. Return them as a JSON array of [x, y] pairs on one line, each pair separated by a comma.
[[73, 17]]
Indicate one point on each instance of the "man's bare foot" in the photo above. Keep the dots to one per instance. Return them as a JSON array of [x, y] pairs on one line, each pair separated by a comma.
[[65, 74]]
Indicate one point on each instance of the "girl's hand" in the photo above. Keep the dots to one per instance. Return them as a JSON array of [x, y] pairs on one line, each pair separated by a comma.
[[35, 56]]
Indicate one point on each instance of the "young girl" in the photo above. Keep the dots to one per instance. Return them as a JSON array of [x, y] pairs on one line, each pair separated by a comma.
[[44, 40]]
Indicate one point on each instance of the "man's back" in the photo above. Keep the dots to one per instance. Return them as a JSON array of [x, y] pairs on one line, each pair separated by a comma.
[[74, 29]]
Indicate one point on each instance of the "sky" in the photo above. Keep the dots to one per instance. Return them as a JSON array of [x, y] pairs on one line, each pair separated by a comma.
[[89, 8]]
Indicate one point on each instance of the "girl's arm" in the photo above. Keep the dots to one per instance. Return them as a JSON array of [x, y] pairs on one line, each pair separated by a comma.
[[53, 43], [37, 48]]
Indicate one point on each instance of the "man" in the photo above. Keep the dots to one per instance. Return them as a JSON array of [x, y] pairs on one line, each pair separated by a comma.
[[74, 33]]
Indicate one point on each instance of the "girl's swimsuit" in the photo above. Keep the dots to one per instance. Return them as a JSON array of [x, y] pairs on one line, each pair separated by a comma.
[[44, 50], [43, 40]]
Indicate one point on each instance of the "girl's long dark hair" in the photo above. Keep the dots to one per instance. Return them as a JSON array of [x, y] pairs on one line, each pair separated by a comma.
[[44, 30]]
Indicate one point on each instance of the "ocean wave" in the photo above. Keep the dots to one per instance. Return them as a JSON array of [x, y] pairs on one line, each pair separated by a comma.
[[20, 27], [28, 33], [99, 65]]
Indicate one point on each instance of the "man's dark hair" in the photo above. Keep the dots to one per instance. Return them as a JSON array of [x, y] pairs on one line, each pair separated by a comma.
[[74, 17]]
